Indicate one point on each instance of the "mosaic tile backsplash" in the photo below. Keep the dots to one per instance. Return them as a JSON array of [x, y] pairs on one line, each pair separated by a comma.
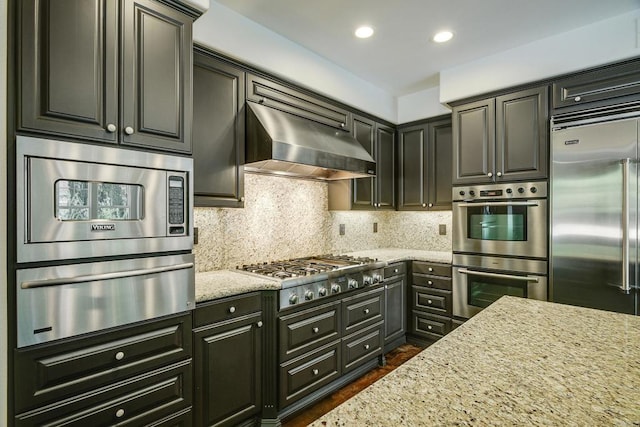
[[288, 218]]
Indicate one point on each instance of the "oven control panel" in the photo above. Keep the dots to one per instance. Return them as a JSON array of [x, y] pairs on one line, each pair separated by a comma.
[[501, 191]]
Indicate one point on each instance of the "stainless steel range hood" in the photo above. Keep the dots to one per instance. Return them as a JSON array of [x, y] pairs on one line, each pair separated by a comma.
[[282, 143]]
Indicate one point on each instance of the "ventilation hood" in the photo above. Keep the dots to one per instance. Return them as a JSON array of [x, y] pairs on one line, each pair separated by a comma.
[[285, 144]]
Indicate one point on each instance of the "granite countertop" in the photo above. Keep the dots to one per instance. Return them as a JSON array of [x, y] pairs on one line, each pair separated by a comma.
[[518, 362], [212, 285]]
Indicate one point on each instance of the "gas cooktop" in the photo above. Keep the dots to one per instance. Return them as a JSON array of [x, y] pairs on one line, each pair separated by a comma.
[[300, 267]]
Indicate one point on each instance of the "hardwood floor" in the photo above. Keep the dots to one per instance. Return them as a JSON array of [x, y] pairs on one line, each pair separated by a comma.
[[394, 358]]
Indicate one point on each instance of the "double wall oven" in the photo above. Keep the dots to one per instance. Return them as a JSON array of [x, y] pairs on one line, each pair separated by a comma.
[[499, 244]]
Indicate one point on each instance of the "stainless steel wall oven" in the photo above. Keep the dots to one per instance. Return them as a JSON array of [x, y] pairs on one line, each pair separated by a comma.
[[500, 244], [104, 237]]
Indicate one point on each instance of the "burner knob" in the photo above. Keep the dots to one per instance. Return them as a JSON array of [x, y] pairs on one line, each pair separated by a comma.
[[367, 280], [509, 191], [335, 288], [461, 193], [322, 292], [534, 190], [472, 193], [377, 277], [353, 283], [293, 299], [520, 190], [308, 295]]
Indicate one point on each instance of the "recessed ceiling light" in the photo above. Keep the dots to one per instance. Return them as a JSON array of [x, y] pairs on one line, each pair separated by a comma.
[[443, 36], [364, 32]]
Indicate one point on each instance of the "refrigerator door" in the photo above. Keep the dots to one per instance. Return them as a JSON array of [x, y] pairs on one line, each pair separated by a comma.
[[594, 201]]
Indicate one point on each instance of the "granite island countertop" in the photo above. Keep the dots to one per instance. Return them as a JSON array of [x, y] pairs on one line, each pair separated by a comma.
[[518, 362], [211, 285]]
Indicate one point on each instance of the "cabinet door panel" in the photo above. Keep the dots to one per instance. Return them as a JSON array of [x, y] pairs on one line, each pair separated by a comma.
[[68, 68], [363, 131], [522, 134], [440, 166], [156, 79], [474, 142], [386, 161], [218, 133], [228, 370], [411, 149], [395, 306]]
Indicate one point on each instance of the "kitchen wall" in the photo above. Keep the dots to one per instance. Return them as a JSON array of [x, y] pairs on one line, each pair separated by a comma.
[[287, 218]]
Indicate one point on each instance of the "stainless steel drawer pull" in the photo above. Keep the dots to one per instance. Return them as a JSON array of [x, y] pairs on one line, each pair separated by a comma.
[[120, 413], [315, 372], [577, 99], [366, 346], [499, 276], [429, 302], [232, 309], [120, 355], [128, 130], [106, 276], [366, 311], [429, 327], [430, 269], [259, 324], [430, 282], [111, 128], [395, 270], [316, 330]]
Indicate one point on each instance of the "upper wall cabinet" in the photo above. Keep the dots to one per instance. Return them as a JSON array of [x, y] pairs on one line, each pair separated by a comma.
[[501, 139], [218, 132], [424, 166], [285, 98], [597, 88], [369, 193], [106, 71]]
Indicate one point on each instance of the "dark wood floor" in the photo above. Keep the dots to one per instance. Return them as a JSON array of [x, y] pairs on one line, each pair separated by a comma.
[[394, 358]]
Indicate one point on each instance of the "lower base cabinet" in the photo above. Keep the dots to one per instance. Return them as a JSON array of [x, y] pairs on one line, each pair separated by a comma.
[[227, 354]]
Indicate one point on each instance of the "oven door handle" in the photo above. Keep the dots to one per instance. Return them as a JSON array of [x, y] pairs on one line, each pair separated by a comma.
[[32, 284], [469, 204], [499, 275]]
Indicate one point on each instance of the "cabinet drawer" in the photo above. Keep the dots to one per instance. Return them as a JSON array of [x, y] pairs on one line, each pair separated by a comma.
[[148, 398], [428, 281], [360, 311], [432, 300], [308, 329], [51, 372], [306, 374], [362, 347], [395, 269], [432, 268], [430, 326], [281, 97], [226, 309]]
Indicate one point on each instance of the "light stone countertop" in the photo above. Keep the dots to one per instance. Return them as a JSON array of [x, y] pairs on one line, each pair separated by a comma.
[[216, 284], [519, 362], [212, 285]]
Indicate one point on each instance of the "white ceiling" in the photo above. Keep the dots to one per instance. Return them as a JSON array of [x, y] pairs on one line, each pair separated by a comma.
[[400, 58]]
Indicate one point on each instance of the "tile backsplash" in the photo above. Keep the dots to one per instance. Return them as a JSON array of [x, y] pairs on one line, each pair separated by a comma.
[[288, 218]]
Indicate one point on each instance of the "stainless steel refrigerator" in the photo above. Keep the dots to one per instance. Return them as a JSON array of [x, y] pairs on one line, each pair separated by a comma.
[[594, 215]]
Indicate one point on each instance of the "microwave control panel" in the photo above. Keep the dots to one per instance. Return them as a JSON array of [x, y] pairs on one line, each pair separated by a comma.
[[177, 203]]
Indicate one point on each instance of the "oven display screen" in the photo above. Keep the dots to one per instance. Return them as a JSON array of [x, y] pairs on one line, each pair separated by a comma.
[[505, 223]]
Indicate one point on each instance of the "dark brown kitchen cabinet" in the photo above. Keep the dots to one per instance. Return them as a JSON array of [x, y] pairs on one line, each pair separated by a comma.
[[228, 361], [304, 104], [218, 131], [597, 88], [501, 139], [395, 305], [134, 374], [106, 71], [424, 171], [378, 192]]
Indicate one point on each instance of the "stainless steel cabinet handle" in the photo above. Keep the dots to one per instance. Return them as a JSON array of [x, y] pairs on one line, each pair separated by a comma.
[[395, 270], [490, 174], [111, 128], [424, 205], [242, 199], [259, 324], [128, 130], [342, 125], [366, 311], [366, 346], [577, 99], [430, 205], [262, 100], [315, 372], [499, 174], [466, 205], [232, 309], [429, 302], [499, 276], [626, 284], [120, 355], [105, 276], [429, 282], [120, 413], [315, 330], [429, 327]]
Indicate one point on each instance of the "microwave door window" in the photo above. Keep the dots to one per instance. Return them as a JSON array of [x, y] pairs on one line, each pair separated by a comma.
[[86, 200], [503, 223]]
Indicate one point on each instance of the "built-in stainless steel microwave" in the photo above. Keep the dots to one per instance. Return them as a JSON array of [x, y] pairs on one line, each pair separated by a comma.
[[82, 201]]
